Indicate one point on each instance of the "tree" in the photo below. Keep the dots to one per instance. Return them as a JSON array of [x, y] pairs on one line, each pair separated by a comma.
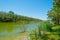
[[11, 15], [2, 16], [54, 13]]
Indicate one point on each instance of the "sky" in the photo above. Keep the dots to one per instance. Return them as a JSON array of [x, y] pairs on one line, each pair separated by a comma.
[[31, 8]]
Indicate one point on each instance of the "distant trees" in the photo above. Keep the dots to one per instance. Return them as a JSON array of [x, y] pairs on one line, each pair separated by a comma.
[[11, 17], [54, 13], [5, 17]]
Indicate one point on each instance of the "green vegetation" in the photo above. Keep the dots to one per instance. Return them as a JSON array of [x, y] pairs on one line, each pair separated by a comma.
[[46, 26], [12, 17], [42, 30], [49, 30], [46, 31], [54, 13]]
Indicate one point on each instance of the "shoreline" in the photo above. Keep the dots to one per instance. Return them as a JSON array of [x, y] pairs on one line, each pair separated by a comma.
[[20, 36]]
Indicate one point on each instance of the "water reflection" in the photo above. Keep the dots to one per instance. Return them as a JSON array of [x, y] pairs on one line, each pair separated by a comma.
[[19, 28]]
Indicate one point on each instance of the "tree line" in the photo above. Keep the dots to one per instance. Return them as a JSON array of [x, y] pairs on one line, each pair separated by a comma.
[[12, 17]]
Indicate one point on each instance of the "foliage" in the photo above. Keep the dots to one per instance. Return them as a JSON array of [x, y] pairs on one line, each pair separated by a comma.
[[56, 28], [12, 17], [54, 13], [46, 26], [42, 29], [47, 31]]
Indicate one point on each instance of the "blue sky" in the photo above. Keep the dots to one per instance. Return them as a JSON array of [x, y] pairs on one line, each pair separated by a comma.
[[31, 8]]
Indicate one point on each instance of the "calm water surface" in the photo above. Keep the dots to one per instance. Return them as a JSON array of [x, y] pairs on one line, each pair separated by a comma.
[[19, 29]]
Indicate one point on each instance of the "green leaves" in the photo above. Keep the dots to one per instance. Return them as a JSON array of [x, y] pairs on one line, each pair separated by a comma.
[[12, 17], [54, 13]]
